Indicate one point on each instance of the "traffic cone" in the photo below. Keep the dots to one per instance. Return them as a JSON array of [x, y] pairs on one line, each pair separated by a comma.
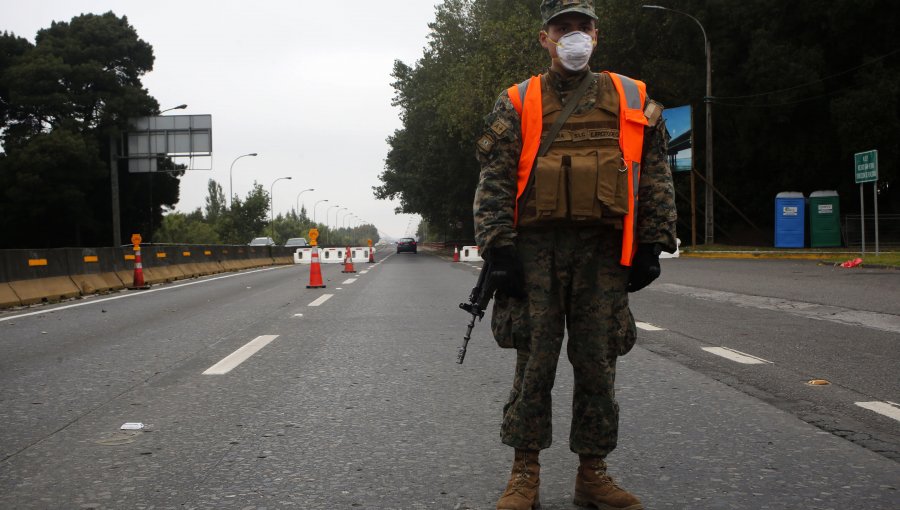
[[348, 263], [456, 254], [371, 255], [315, 271], [138, 282]]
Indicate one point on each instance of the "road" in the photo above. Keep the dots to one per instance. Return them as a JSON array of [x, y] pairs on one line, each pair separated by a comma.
[[256, 392]]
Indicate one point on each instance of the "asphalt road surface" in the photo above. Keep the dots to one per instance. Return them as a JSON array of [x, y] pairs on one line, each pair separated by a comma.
[[255, 392]]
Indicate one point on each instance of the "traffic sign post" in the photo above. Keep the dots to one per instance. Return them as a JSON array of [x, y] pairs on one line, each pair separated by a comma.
[[865, 168]]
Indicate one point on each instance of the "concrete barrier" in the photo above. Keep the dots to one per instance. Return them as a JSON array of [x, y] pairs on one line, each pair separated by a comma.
[[331, 256], [40, 275], [8, 296], [93, 269], [303, 256], [470, 254], [675, 255]]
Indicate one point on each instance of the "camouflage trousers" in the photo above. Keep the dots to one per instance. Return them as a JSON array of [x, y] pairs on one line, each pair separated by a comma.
[[574, 282]]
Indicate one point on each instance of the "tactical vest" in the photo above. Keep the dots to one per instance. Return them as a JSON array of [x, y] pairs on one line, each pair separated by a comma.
[[591, 171]]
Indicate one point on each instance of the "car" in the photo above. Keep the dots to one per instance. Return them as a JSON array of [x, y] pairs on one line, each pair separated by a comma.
[[296, 242], [406, 244], [262, 241]]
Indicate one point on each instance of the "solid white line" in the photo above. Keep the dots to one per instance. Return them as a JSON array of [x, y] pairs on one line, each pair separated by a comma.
[[348, 281], [647, 326], [881, 408], [239, 356], [321, 299], [136, 293], [733, 355]]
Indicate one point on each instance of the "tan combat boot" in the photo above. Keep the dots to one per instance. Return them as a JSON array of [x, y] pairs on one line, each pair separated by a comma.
[[522, 491], [594, 488]]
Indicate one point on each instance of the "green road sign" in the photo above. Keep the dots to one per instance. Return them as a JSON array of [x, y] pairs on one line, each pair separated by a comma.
[[865, 165]]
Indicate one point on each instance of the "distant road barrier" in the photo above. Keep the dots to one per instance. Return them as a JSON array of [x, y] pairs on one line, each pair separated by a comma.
[[35, 276]]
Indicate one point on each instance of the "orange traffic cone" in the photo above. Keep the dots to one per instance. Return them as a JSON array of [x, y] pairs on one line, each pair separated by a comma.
[[456, 254], [348, 263], [371, 255], [315, 271], [138, 282]]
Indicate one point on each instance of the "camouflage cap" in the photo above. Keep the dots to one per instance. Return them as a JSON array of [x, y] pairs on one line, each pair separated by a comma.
[[553, 8]]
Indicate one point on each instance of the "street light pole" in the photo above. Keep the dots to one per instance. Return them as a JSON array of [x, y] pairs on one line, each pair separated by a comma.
[[272, 202], [327, 223], [298, 199], [230, 185], [314, 212], [709, 221]]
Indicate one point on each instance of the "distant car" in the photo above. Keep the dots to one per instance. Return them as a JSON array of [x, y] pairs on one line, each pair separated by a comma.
[[406, 244], [262, 241], [296, 242]]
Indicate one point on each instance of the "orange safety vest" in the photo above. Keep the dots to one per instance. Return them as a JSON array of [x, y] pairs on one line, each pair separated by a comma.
[[632, 96]]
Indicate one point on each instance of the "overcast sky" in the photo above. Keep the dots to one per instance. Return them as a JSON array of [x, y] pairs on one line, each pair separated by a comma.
[[306, 84]]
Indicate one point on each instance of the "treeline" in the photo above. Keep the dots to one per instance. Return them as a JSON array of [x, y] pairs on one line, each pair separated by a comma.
[[247, 218], [798, 88]]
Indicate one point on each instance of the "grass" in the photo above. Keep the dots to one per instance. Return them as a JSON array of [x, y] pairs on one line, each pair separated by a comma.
[[890, 257]]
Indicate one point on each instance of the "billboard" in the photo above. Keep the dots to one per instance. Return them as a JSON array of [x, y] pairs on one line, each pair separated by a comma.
[[678, 124]]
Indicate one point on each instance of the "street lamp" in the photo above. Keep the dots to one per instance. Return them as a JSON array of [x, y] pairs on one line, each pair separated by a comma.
[[314, 211], [179, 107], [230, 187], [327, 223], [708, 229], [298, 199], [337, 222], [272, 202]]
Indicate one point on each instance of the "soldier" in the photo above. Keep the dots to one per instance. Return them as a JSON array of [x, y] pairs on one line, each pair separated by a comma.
[[574, 204]]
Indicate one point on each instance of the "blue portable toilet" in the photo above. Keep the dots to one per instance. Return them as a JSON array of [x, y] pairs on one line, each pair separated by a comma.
[[790, 219]]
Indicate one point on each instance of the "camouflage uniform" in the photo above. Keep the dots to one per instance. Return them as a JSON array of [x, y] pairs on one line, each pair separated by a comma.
[[573, 279]]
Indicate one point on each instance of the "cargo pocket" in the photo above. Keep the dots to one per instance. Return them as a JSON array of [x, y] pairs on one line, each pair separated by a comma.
[[507, 323], [582, 183], [626, 332], [549, 186], [612, 186]]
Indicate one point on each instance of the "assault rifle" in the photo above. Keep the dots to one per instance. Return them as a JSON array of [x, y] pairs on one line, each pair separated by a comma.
[[478, 300]]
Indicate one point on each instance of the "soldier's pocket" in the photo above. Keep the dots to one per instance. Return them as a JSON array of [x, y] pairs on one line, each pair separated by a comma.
[[612, 186], [507, 321], [626, 331]]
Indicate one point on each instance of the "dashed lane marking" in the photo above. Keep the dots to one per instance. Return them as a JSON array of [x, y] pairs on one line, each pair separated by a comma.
[[738, 356], [647, 326], [348, 281], [363, 272], [321, 299], [883, 408], [239, 356]]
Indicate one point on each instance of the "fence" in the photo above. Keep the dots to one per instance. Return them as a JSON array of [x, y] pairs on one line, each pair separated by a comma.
[[888, 230]]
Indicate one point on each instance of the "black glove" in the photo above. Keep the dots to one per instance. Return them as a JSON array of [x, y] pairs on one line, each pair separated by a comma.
[[507, 274], [644, 267]]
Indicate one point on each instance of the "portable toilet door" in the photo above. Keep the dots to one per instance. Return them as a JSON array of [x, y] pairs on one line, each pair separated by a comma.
[[790, 219], [824, 219]]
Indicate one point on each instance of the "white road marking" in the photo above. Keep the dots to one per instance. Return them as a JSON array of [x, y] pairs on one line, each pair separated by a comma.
[[733, 355], [846, 316], [239, 356], [881, 408], [348, 281], [647, 326], [321, 299], [298, 315], [136, 293], [363, 272]]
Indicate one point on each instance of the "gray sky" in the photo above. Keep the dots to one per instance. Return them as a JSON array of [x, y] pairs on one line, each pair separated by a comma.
[[306, 84]]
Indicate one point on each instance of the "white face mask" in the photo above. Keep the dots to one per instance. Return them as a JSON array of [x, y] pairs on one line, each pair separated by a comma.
[[574, 50]]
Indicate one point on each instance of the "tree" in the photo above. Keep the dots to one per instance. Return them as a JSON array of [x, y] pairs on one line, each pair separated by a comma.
[[75, 90], [799, 87]]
